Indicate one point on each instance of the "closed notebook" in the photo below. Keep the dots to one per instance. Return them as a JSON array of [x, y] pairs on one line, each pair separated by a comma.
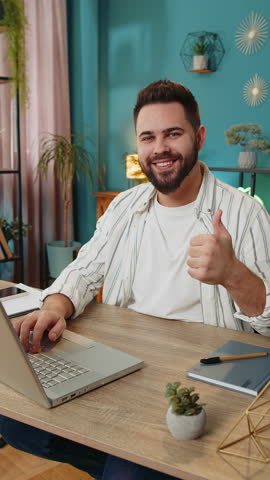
[[246, 375]]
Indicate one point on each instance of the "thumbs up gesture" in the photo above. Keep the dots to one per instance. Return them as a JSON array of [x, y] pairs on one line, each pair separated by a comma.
[[211, 257]]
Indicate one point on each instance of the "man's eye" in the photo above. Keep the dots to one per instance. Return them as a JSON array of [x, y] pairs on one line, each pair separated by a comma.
[[174, 134], [147, 139]]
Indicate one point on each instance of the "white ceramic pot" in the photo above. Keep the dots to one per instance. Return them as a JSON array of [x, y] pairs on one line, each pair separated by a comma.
[[184, 427], [200, 62], [247, 160], [60, 256]]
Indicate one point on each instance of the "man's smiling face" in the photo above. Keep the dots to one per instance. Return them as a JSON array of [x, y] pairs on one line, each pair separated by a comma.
[[167, 144]]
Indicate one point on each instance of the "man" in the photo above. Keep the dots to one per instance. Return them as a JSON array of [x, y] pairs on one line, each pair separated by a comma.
[[194, 248]]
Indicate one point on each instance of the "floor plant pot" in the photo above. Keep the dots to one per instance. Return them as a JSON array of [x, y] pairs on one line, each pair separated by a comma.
[[200, 62], [247, 160], [60, 256], [186, 427]]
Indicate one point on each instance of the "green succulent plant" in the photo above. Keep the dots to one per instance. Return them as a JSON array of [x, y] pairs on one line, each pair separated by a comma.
[[199, 47], [183, 401], [249, 136]]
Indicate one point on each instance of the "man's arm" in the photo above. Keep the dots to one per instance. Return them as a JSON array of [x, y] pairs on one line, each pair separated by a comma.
[[212, 260], [51, 317]]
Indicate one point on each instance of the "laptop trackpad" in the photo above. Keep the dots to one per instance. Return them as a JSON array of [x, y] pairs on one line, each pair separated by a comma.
[[69, 342]]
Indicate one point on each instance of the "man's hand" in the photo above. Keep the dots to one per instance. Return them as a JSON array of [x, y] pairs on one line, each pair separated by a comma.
[[211, 257], [212, 260], [38, 322], [50, 318]]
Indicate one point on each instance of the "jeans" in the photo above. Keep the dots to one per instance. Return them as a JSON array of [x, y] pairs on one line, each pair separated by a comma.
[[99, 465]]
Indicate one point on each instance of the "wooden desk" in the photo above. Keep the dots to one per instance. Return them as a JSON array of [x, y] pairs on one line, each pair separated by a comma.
[[127, 417]]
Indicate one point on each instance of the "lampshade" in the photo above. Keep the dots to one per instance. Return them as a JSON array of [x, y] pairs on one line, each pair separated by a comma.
[[133, 168]]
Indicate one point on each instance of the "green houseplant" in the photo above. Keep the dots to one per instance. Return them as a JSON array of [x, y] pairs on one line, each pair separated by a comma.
[[69, 156], [185, 417], [200, 58], [11, 230], [250, 137], [14, 24]]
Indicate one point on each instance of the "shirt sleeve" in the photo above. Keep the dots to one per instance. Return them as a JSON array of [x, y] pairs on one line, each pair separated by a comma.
[[256, 256], [81, 280]]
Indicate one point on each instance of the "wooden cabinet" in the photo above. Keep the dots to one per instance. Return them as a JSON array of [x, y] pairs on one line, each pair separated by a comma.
[[103, 201]]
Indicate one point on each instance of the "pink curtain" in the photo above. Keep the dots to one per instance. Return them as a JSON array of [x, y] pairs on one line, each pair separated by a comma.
[[48, 111]]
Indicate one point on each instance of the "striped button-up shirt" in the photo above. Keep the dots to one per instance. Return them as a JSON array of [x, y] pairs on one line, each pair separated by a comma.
[[109, 258]]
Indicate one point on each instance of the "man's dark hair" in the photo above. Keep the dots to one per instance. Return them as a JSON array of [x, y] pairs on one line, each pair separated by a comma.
[[165, 91]]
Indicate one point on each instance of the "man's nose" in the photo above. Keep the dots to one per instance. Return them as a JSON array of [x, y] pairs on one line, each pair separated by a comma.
[[161, 145]]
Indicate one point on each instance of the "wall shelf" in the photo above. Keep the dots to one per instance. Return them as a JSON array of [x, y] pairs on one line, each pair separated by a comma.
[[252, 171], [201, 71], [211, 49], [16, 171]]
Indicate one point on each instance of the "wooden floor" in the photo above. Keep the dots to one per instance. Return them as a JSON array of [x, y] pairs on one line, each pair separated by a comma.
[[17, 465]]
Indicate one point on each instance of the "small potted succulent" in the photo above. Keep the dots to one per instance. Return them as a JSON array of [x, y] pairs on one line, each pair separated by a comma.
[[200, 59], [186, 418], [249, 136]]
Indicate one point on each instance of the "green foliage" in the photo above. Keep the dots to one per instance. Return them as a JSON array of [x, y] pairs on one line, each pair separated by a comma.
[[11, 228], [182, 400], [69, 157], [15, 22], [199, 48], [249, 136]]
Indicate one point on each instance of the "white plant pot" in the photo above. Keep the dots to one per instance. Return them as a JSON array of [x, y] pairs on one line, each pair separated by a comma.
[[184, 427], [59, 256], [200, 62], [247, 160]]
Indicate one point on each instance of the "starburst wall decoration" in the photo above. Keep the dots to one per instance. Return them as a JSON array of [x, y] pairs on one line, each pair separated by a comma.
[[255, 91], [251, 34]]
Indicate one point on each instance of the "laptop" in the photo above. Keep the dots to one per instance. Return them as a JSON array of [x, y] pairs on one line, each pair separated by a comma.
[[63, 370]]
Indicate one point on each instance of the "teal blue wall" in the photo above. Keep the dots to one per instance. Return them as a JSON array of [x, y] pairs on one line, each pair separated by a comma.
[[83, 69], [139, 42]]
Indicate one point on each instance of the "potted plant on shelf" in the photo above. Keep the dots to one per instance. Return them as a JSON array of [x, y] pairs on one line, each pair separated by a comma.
[[14, 23], [200, 59], [186, 418], [69, 156], [11, 230], [249, 136]]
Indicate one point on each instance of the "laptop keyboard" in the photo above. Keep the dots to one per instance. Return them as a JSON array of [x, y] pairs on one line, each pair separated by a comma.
[[53, 370]]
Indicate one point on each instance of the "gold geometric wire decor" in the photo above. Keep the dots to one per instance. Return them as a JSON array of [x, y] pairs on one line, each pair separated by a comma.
[[251, 34], [250, 436]]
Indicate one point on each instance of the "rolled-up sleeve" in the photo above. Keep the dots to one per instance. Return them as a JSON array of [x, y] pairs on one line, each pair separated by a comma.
[[256, 256]]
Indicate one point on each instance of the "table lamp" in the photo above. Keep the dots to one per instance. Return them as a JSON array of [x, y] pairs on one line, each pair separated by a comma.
[[133, 170]]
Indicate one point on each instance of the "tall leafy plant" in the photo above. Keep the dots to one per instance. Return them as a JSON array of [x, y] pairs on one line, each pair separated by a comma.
[[68, 156], [15, 23]]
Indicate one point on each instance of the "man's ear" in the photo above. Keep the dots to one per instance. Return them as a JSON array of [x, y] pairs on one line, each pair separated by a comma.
[[201, 135]]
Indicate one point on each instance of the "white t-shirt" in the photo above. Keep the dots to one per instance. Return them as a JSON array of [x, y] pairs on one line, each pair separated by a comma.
[[162, 286]]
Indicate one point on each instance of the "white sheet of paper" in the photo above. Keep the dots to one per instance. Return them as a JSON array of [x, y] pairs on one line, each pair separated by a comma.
[[22, 305]]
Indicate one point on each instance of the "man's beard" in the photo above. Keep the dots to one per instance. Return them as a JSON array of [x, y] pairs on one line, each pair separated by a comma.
[[168, 182]]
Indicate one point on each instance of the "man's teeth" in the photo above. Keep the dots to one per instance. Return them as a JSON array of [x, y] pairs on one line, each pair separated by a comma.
[[164, 164]]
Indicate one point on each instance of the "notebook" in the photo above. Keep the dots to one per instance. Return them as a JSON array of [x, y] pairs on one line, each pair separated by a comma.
[[247, 375], [62, 370]]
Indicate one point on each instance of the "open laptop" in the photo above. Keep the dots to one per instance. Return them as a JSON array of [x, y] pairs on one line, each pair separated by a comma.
[[62, 370]]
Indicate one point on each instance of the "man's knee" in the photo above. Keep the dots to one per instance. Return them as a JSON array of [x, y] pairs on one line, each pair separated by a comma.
[[24, 437]]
